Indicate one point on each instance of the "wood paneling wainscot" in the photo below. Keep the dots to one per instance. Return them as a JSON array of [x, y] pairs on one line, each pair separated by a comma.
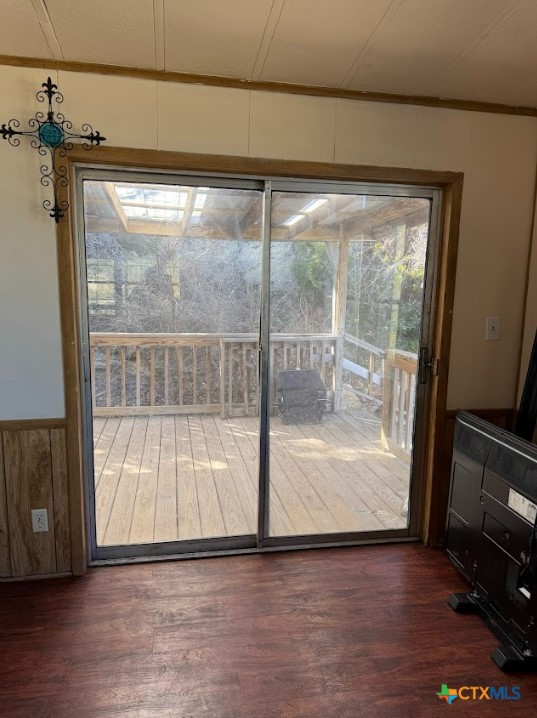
[[33, 476], [5, 567]]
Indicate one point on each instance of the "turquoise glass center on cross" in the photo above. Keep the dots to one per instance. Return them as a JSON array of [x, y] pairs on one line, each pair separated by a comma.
[[51, 134]]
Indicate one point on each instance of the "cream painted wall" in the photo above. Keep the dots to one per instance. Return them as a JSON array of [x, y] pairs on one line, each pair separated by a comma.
[[497, 153], [31, 383]]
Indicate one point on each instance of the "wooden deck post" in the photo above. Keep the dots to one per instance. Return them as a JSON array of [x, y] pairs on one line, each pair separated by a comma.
[[400, 243], [338, 316], [222, 379], [387, 398]]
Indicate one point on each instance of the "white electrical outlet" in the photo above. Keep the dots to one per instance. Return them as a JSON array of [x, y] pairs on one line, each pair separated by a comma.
[[39, 520], [492, 331]]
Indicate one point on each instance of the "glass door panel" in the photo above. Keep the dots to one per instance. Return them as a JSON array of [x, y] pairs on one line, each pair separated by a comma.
[[346, 302], [173, 275]]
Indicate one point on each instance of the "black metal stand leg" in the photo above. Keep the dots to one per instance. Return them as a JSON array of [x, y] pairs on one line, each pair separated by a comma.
[[506, 657], [462, 603], [508, 660]]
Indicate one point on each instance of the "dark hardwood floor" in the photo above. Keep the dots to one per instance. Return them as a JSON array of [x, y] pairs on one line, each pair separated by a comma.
[[333, 633]]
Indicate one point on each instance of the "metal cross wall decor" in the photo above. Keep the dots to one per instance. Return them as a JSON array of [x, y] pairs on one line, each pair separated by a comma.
[[51, 135]]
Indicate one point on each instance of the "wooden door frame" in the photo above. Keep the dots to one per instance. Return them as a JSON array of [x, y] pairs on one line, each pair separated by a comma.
[[433, 504]]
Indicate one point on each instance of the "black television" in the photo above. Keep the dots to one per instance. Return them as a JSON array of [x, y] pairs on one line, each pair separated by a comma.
[[491, 534]]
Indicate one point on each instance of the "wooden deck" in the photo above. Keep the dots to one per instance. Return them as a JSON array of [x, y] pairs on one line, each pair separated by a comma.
[[163, 478]]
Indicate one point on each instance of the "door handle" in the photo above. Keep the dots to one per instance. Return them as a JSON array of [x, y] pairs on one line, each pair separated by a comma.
[[427, 365]]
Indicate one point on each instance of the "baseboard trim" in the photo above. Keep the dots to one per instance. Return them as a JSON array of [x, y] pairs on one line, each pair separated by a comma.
[[39, 577], [31, 424]]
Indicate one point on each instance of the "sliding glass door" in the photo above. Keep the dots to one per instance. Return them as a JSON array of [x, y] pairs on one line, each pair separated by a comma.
[[173, 277], [251, 359], [346, 302]]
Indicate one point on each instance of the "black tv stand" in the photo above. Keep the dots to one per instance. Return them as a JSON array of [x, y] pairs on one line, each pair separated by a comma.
[[506, 656], [491, 535]]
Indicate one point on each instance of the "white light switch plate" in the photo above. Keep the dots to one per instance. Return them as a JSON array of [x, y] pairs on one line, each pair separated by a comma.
[[492, 330]]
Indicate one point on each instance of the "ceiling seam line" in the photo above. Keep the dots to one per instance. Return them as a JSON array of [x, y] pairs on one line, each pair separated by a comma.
[[154, 34], [272, 37], [415, 137], [47, 28], [266, 40], [335, 127], [164, 34], [42, 29], [249, 120], [252, 73], [159, 34], [520, 87], [467, 53], [158, 115], [384, 21]]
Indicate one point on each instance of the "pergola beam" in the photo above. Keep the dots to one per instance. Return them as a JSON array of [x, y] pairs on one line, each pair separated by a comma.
[[387, 213], [111, 193], [191, 200], [110, 225], [354, 224], [253, 214]]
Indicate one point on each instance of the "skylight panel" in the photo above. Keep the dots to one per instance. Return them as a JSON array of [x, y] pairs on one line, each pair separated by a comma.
[[135, 212], [169, 215], [129, 193], [165, 197], [313, 204], [293, 220], [200, 201]]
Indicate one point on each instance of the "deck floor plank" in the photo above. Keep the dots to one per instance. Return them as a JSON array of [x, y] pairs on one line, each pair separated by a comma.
[[188, 511], [282, 485], [98, 425], [143, 519], [345, 459], [103, 444], [165, 478], [120, 519], [307, 478], [113, 467], [234, 519], [248, 443], [350, 512], [349, 481], [388, 484], [381, 462], [245, 482], [166, 499], [212, 520]]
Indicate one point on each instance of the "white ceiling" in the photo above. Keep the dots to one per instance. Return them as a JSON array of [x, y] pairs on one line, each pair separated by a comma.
[[464, 49]]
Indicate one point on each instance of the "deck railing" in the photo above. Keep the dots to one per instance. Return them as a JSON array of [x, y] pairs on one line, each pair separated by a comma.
[[398, 404], [219, 373], [387, 379], [196, 373], [363, 374]]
